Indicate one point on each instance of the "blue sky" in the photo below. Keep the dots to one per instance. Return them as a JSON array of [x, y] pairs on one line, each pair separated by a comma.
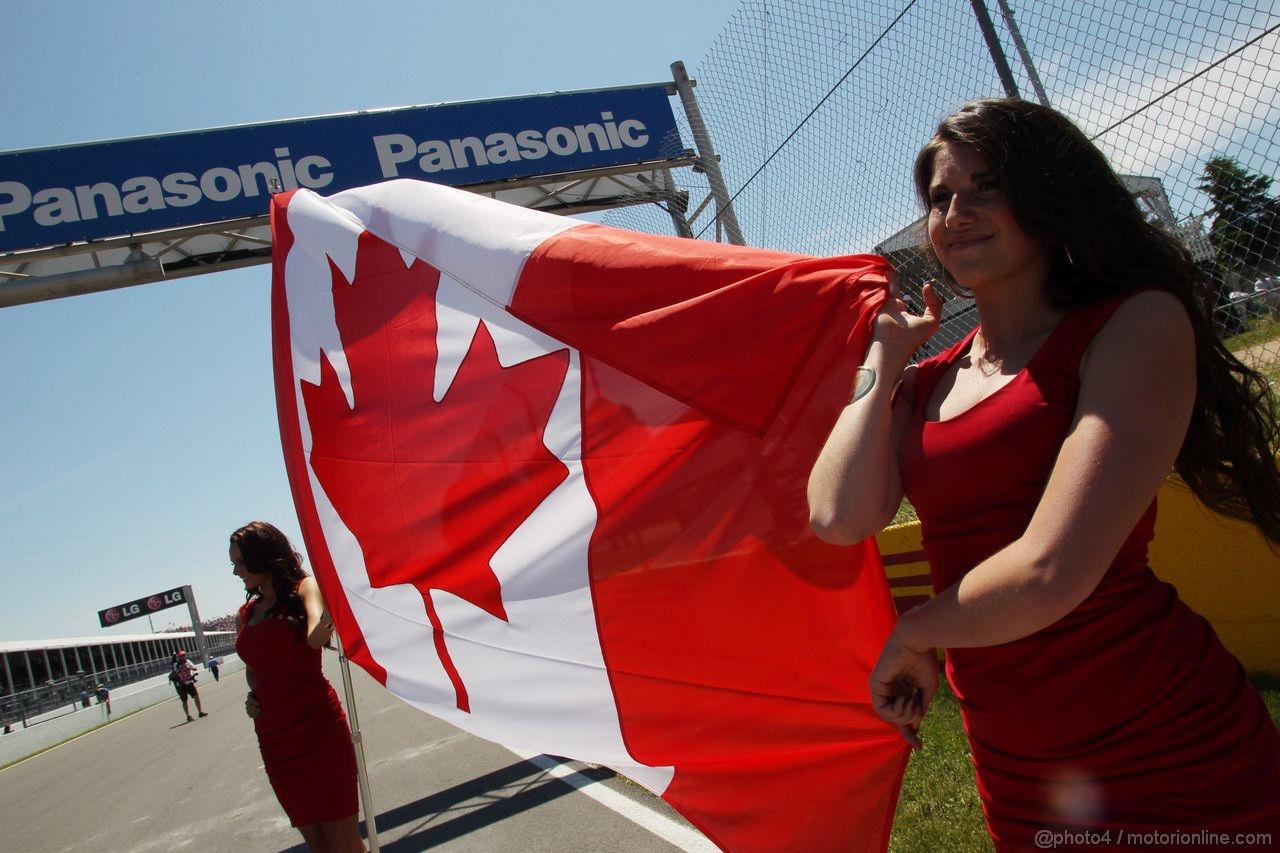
[[138, 426]]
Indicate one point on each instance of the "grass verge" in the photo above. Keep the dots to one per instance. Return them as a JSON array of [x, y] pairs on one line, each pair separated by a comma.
[[938, 808]]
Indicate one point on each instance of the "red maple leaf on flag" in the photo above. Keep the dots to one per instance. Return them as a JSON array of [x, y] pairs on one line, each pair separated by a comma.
[[431, 490]]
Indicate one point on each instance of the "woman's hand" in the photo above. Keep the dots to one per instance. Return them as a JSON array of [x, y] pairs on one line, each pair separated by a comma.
[[902, 686], [901, 332], [251, 706]]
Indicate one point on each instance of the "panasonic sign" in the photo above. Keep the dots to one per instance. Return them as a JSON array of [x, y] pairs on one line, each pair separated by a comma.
[[51, 196]]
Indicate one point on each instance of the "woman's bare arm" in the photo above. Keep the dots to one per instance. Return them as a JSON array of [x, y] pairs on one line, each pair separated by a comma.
[[855, 487], [251, 706], [319, 626]]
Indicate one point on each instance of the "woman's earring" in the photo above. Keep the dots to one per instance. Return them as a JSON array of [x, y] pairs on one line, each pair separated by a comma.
[[1070, 261]]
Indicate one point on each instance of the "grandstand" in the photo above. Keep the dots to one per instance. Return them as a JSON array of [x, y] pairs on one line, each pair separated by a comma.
[[40, 677]]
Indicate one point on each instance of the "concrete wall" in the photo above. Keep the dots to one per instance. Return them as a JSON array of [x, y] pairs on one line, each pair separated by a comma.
[[1223, 569], [23, 743]]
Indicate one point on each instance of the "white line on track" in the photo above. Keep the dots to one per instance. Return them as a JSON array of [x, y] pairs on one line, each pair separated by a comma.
[[684, 837]]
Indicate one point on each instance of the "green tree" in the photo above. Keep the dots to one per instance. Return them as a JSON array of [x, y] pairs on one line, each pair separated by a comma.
[[1246, 220]]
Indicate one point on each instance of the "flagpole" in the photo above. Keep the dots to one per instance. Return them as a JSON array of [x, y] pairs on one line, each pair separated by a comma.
[[357, 741]]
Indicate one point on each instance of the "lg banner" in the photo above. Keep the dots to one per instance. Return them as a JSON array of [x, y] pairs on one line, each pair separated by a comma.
[[141, 607]]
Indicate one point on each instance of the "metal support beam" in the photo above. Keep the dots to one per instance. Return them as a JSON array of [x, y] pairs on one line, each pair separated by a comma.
[[48, 287], [708, 160], [202, 650]]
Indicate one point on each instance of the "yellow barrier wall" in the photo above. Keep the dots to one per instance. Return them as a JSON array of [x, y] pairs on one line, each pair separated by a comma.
[[1223, 569]]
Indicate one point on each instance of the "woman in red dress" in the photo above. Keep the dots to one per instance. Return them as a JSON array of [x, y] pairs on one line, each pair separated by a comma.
[[302, 730], [1100, 709]]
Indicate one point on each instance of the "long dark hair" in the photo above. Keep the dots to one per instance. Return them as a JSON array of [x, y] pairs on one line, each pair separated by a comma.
[[267, 551], [1063, 191]]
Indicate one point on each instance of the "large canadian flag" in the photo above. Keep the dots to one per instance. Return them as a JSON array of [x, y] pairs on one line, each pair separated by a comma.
[[551, 479]]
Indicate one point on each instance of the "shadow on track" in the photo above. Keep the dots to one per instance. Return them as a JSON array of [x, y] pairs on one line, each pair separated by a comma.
[[477, 803]]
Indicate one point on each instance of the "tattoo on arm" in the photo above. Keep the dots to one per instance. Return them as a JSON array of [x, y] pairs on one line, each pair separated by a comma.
[[863, 383]]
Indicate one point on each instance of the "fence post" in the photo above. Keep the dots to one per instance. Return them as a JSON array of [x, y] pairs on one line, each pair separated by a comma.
[[997, 52]]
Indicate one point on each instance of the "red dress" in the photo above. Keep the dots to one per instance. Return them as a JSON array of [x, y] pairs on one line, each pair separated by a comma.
[[302, 730], [1127, 714]]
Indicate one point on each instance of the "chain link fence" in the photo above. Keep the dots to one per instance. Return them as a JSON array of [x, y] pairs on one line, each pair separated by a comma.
[[817, 110]]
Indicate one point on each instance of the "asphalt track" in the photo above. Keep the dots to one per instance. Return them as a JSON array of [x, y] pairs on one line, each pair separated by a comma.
[[154, 782]]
